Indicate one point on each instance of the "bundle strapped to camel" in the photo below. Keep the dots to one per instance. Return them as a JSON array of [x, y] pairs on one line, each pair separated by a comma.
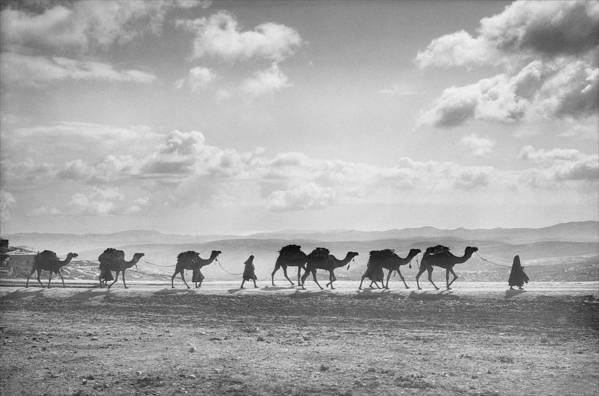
[[290, 250], [319, 253], [190, 254], [111, 253], [382, 254], [48, 255], [439, 249]]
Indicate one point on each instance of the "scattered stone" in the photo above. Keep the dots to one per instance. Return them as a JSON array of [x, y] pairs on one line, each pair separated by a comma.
[[306, 338], [260, 338], [324, 368], [139, 372], [83, 381], [94, 338], [192, 376], [192, 349], [474, 377], [214, 339], [371, 370]]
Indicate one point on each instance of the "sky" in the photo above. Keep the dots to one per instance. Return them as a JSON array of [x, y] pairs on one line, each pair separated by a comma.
[[233, 117]]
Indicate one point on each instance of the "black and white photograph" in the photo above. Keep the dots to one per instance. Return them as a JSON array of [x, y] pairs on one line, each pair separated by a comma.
[[299, 197]]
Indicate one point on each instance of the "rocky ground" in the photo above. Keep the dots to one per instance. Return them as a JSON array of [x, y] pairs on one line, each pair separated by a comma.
[[165, 341]]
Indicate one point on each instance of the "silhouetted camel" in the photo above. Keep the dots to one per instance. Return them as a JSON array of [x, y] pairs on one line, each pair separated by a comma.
[[374, 268], [290, 256], [192, 261], [392, 262], [114, 260], [48, 261], [321, 259], [439, 256]]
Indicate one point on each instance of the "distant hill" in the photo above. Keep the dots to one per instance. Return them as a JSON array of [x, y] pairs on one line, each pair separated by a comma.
[[584, 231]]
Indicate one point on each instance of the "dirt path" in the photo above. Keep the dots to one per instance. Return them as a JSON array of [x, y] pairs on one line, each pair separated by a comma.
[[163, 341]]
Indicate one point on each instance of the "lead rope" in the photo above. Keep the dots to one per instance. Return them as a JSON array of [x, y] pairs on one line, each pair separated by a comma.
[[223, 268], [491, 262]]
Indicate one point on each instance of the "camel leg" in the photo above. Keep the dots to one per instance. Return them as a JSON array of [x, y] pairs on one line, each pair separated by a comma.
[[316, 280], [454, 277], [116, 278], [402, 279], [61, 278], [124, 284], [285, 273], [430, 277], [333, 280], [173, 279], [28, 276], [49, 279], [420, 272], [199, 284], [255, 285], [447, 279], [272, 276], [299, 273], [183, 277], [242, 282], [39, 274], [361, 280], [388, 277]]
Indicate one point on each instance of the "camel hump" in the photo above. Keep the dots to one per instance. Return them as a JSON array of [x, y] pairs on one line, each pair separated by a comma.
[[47, 255], [319, 253], [439, 249], [187, 255], [381, 254], [290, 250], [111, 254]]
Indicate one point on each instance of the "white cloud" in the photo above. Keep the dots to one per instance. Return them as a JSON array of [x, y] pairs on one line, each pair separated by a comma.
[[560, 165], [85, 25], [548, 50], [547, 90], [220, 36], [266, 82], [197, 79], [7, 203], [301, 197], [525, 29], [39, 70], [478, 146]]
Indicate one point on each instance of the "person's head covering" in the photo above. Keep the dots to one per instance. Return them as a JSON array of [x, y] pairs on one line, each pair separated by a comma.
[[250, 259], [517, 261]]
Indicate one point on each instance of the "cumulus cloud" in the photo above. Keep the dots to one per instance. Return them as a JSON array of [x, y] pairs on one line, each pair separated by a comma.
[[7, 203], [478, 146], [560, 164], [266, 82], [183, 169], [220, 36], [547, 50], [523, 29], [301, 197], [40, 70], [85, 25], [197, 79], [549, 90]]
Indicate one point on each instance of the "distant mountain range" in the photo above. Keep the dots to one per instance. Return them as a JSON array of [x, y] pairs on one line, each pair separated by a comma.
[[584, 231]]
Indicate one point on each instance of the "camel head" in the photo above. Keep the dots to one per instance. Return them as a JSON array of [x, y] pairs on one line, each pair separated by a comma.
[[136, 258], [350, 256], [72, 255], [214, 254], [470, 250], [413, 253]]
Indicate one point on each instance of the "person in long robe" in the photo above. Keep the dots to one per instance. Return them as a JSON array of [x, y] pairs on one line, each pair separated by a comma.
[[249, 272], [517, 275]]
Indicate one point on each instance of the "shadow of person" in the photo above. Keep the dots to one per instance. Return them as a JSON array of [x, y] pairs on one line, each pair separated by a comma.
[[233, 291], [509, 293]]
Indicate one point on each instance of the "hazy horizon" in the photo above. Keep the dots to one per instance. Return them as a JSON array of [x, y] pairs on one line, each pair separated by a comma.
[[228, 117]]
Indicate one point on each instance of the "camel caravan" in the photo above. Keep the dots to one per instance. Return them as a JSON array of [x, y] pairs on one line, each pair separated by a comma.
[[113, 260]]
